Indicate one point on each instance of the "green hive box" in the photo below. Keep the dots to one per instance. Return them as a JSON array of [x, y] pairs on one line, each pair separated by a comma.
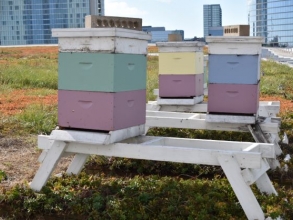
[[101, 72]]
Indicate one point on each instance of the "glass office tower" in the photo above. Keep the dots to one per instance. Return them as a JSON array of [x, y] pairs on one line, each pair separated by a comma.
[[30, 21], [272, 19], [212, 17]]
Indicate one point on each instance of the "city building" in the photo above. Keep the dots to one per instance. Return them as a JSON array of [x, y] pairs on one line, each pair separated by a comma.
[[236, 30], [150, 28], [273, 20], [30, 21], [212, 17], [215, 31], [159, 34]]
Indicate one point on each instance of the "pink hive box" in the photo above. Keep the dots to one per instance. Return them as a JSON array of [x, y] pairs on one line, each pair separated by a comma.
[[189, 85], [100, 110], [233, 98]]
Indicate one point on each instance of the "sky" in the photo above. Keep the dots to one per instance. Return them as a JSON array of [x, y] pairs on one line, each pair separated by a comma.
[[184, 15]]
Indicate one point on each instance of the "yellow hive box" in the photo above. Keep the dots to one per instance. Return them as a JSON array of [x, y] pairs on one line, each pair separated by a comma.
[[181, 63]]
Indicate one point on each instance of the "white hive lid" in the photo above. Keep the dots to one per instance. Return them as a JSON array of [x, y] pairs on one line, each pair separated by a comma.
[[100, 32], [173, 47], [234, 39], [181, 44]]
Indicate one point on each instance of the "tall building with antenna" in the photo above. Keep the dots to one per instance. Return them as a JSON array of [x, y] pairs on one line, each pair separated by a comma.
[[273, 20], [212, 17], [30, 21]]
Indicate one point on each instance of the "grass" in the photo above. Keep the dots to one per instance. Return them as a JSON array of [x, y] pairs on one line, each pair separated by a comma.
[[119, 188], [277, 80], [152, 77], [29, 73], [37, 119]]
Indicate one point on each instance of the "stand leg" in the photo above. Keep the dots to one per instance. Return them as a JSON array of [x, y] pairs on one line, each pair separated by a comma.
[[77, 164], [48, 165], [243, 192], [264, 184]]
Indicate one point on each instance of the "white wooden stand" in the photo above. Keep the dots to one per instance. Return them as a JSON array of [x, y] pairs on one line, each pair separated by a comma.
[[175, 116], [266, 108], [244, 163]]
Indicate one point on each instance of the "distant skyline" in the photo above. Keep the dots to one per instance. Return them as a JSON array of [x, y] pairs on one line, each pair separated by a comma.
[[184, 15]]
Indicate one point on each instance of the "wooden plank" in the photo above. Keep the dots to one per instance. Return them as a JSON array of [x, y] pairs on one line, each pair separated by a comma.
[[195, 100], [243, 192], [162, 120], [200, 124], [97, 137], [261, 178], [264, 184], [166, 153], [230, 119], [200, 107], [269, 108], [267, 150], [255, 147], [252, 175], [266, 108], [175, 114], [257, 133], [152, 106], [48, 165], [184, 154], [77, 164], [42, 156]]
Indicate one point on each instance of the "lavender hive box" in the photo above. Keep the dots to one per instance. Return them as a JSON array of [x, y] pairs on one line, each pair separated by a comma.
[[234, 69], [233, 98], [100, 110], [181, 85]]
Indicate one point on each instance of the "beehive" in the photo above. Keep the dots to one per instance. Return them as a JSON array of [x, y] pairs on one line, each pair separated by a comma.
[[234, 75], [181, 69], [102, 78]]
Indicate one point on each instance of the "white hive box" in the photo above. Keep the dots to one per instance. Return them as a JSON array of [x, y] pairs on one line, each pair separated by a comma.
[[235, 45], [173, 47], [104, 40]]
